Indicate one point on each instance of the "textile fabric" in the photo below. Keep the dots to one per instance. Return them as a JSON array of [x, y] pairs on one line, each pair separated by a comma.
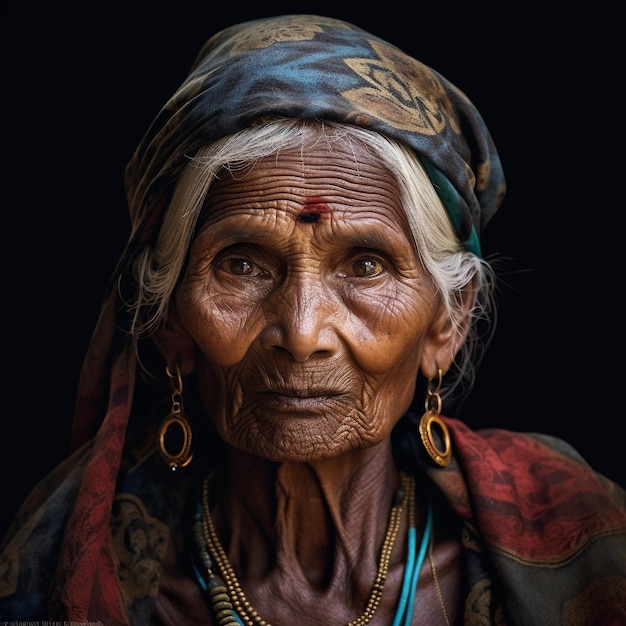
[[544, 537], [307, 66]]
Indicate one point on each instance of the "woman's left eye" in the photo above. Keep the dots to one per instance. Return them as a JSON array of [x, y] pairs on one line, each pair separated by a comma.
[[368, 267]]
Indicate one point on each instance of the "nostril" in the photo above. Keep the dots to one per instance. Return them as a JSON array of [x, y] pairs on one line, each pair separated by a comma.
[[280, 349]]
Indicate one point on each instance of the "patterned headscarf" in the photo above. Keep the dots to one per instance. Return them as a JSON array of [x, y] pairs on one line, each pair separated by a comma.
[[306, 66]]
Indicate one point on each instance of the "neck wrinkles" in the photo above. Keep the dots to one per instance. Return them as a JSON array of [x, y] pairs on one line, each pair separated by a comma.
[[312, 522]]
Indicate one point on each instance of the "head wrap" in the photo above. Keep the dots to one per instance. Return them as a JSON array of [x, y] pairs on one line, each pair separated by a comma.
[[306, 66]]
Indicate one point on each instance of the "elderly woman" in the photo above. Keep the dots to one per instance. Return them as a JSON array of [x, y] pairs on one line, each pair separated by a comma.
[[259, 428]]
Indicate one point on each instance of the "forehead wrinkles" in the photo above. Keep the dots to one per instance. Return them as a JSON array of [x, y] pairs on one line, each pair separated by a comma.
[[291, 180]]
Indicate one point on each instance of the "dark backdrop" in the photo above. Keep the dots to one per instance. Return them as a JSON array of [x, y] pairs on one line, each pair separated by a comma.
[[80, 90]]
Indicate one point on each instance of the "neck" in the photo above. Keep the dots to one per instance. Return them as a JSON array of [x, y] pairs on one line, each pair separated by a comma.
[[315, 521]]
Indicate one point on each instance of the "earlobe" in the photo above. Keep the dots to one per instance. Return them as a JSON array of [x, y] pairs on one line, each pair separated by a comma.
[[175, 344], [445, 338], [438, 350]]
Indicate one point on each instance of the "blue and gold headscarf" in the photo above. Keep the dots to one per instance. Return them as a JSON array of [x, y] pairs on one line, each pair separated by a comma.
[[306, 66]]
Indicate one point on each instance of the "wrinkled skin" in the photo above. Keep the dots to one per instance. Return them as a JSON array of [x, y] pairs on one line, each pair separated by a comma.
[[306, 315], [309, 330]]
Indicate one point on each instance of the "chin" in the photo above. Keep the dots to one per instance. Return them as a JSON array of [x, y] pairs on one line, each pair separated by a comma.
[[309, 447]]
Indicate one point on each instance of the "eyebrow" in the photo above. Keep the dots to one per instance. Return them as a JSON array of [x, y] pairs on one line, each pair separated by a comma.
[[370, 238]]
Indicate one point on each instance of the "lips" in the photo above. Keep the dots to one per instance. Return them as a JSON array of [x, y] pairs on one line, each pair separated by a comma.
[[305, 398], [310, 382], [302, 399], [307, 405], [310, 389]]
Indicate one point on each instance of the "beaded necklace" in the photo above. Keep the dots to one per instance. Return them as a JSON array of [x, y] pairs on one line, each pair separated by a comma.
[[218, 580]]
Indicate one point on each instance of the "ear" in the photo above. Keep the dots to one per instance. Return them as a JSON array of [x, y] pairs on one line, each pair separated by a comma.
[[444, 339], [175, 344]]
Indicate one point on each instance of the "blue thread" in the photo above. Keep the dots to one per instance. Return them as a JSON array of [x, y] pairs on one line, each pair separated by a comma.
[[412, 572], [420, 560]]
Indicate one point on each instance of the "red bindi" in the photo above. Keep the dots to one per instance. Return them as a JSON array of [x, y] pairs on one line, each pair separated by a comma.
[[313, 211]]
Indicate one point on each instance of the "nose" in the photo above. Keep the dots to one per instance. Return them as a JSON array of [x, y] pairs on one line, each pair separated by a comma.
[[301, 315]]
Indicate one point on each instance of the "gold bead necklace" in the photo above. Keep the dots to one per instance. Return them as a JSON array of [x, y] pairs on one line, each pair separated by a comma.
[[229, 600]]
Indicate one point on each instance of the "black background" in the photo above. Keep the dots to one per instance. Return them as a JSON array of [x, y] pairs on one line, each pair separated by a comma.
[[81, 88]]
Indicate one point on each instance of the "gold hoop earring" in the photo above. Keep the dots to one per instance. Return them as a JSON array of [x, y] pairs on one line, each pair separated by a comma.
[[433, 405], [176, 419]]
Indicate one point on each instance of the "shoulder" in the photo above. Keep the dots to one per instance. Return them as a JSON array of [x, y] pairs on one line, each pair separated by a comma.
[[546, 518], [535, 492], [520, 452]]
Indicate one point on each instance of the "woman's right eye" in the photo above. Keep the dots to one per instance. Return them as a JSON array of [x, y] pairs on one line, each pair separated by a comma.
[[241, 266]]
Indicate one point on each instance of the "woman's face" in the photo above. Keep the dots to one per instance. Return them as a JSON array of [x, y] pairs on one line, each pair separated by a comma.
[[307, 305]]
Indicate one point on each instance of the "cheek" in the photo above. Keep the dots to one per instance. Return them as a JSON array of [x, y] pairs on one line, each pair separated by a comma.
[[392, 363], [221, 344], [382, 351], [389, 333], [221, 333], [388, 350]]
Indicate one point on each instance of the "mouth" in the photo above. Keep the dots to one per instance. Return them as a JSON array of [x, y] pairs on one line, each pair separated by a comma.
[[302, 400], [305, 391]]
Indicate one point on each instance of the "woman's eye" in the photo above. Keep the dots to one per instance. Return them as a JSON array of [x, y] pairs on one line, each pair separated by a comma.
[[368, 268], [242, 267]]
